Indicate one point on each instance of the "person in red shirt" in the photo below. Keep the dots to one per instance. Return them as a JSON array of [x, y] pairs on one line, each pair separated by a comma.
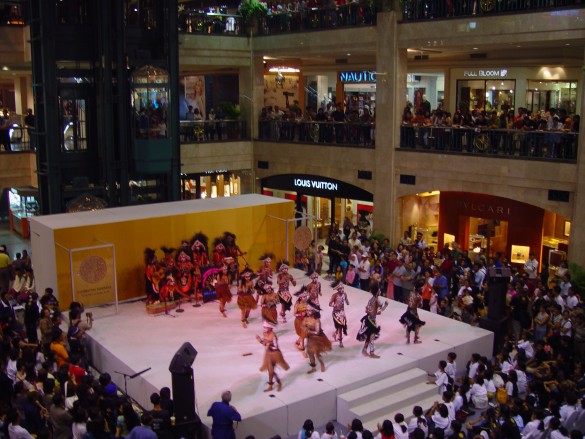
[[76, 372]]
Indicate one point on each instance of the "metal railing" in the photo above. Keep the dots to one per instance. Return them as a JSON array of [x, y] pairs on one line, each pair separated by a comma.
[[349, 134], [547, 145], [414, 10], [353, 14], [212, 131], [17, 138]]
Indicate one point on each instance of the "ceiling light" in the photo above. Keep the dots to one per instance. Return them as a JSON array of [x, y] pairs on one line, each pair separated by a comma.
[[5, 68]]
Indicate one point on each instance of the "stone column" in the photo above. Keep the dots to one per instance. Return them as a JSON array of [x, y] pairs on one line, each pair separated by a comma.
[[577, 238], [390, 101]]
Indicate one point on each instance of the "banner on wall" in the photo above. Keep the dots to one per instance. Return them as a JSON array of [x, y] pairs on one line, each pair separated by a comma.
[[195, 94], [93, 275]]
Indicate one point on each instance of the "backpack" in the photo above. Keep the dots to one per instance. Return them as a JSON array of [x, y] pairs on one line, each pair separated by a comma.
[[501, 395]]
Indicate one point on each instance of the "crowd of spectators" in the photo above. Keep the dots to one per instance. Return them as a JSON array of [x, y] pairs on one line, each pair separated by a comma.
[[331, 123]]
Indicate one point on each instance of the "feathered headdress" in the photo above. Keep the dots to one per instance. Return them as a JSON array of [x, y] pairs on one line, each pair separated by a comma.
[[266, 256], [149, 256], [280, 263], [167, 250], [198, 240]]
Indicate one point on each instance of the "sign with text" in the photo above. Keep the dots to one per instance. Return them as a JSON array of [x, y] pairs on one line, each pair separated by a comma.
[[93, 275], [486, 73], [316, 185], [358, 77]]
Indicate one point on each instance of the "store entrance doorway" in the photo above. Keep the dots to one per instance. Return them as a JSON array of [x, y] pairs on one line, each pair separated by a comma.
[[488, 236]]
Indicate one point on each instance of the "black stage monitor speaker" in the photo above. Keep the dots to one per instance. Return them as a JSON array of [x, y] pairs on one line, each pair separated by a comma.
[[183, 359]]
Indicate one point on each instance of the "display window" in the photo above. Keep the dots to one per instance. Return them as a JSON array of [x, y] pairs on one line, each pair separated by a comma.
[[486, 95], [213, 185], [542, 95]]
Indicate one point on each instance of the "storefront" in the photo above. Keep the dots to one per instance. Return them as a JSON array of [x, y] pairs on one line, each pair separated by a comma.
[[216, 183], [429, 86], [502, 88], [487, 224], [359, 90], [23, 205], [321, 200]]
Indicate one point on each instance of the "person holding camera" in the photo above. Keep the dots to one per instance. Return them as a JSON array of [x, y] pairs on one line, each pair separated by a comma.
[[77, 329]]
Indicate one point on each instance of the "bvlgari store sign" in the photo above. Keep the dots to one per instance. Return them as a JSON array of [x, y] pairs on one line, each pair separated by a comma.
[[486, 73], [316, 185]]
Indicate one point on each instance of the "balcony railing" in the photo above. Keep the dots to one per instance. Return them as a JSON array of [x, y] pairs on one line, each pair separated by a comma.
[[347, 134], [353, 14], [546, 145], [213, 131], [16, 138], [414, 10]]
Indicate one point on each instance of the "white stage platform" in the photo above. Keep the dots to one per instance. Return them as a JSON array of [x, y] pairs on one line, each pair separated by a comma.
[[229, 357]]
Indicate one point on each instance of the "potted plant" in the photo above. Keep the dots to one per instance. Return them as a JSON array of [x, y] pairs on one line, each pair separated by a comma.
[[252, 11], [232, 113]]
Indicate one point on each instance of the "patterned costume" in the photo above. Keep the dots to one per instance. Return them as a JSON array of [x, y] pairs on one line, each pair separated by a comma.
[[268, 301], [272, 356], [200, 260], [369, 330], [153, 275], [284, 279], [410, 318], [264, 273], [314, 289], [317, 341], [246, 300], [300, 311], [222, 289], [338, 301], [233, 252], [184, 270], [219, 254]]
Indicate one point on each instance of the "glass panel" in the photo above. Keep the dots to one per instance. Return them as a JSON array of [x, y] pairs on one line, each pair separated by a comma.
[[72, 114], [542, 95], [150, 100], [500, 95], [471, 95]]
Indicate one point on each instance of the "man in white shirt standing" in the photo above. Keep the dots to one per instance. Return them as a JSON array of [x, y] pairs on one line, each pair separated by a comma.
[[531, 266], [364, 272]]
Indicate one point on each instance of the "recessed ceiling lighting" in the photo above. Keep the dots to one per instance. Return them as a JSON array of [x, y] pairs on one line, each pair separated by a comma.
[[476, 48], [348, 54], [567, 44], [5, 68]]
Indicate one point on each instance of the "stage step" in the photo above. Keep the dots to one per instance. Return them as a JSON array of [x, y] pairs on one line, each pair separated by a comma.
[[384, 396]]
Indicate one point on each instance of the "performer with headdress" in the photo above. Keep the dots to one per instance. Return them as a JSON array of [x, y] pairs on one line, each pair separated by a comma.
[[184, 270], [200, 260], [233, 252], [167, 292], [268, 301], [246, 300], [272, 356], [370, 331], [314, 289], [410, 319], [264, 273], [153, 274], [284, 279], [219, 253], [222, 289], [317, 341], [338, 301], [168, 262], [300, 311]]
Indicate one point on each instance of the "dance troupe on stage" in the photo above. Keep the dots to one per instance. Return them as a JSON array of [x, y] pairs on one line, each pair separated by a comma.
[[188, 272]]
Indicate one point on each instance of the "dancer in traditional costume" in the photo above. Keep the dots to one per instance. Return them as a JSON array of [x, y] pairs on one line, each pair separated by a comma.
[[219, 253], [268, 301], [246, 300], [300, 311], [314, 289], [200, 261], [167, 292], [264, 273], [222, 289], [370, 331], [272, 356], [284, 279], [317, 341], [338, 301], [168, 262], [410, 319], [183, 266], [153, 275], [233, 252]]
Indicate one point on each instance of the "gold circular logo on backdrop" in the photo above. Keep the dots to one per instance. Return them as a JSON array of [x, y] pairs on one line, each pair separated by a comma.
[[93, 269]]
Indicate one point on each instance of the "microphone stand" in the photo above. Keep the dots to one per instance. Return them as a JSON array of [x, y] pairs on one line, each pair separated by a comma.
[[128, 376], [166, 313]]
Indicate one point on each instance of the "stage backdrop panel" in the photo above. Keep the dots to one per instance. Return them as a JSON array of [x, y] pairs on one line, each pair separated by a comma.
[[259, 223]]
